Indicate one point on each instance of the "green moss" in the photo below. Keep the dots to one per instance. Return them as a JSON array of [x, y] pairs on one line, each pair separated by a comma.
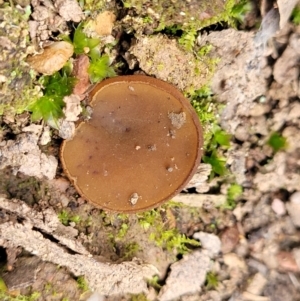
[[130, 250], [216, 140], [3, 287], [219, 141], [171, 240], [4, 296], [296, 15], [139, 297], [65, 218], [239, 10], [49, 106], [99, 67], [93, 5], [17, 84], [211, 281], [181, 13], [233, 193], [277, 142], [154, 282], [122, 231], [167, 238], [48, 287], [188, 38], [82, 284], [82, 43]]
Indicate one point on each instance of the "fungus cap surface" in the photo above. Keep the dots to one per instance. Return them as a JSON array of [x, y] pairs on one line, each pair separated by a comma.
[[139, 149]]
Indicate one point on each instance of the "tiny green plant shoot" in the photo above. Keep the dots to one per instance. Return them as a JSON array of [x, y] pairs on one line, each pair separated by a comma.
[[188, 39], [99, 65], [49, 107], [82, 284], [277, 142], [65, 218], [220, 139], [139, 297], [168, 239], [130, 250], [296, 15], [212, 281], [154, 282], [239, 10], [215, 139], [233, 193], [4, 296]]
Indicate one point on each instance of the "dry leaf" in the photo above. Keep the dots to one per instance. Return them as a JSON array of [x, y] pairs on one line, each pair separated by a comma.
[[80, 71], [52, 59]]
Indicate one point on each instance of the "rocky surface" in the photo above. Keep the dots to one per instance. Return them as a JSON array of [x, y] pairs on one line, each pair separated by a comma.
[[245, 249]]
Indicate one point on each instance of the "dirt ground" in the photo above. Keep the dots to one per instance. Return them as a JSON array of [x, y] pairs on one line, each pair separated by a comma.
[[231, 234]]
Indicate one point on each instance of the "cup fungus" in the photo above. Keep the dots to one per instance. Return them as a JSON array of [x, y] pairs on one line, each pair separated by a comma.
[[139, 149]]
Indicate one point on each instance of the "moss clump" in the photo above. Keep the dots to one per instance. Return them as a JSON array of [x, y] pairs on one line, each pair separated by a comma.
[[16, 77], [82, 284], [296, 15], [211, 281], [4, 296], [94, 6], [65, 218], [163, 236], [233, 193], [277, 142]]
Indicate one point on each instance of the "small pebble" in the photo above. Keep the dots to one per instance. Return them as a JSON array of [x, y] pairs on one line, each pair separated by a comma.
[[278, 207], [61, 184], [209, 242], [229, 238], [134, 198], [286, 262], [295, 198], [64, 200]]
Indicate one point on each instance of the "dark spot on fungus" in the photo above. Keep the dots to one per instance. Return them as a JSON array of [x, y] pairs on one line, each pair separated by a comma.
[[130, 173]]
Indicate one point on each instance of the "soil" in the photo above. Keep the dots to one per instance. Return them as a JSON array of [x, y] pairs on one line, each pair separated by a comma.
[[202, 245]]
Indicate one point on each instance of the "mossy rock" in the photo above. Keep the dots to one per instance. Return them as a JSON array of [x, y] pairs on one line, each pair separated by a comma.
[[164, 58], [194, 14], [16, 77]]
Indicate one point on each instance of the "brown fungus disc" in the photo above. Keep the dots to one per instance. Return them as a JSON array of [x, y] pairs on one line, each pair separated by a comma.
[[139, 149]]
